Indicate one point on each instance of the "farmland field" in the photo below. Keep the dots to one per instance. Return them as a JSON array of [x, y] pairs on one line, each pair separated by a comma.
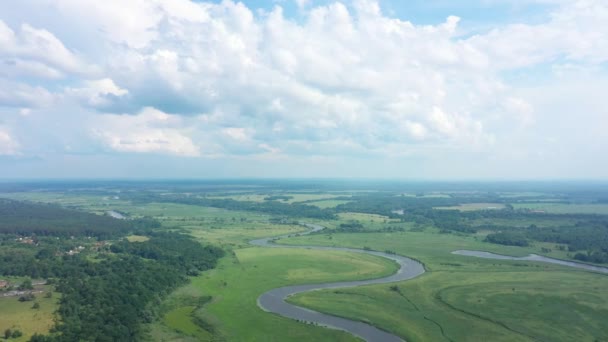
[[16, 315], [475, 206], [563, 208]]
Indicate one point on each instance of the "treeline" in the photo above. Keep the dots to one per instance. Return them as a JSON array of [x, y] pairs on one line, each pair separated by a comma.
[[278, 198], [25, 218], [588, 238], [177, 251], [268, 207], [109, 299], [419, 210], [386, 203], [507, 238], [598, 257], [350, 227]]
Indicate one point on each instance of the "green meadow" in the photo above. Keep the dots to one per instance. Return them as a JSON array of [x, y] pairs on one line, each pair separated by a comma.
[[475, 206], [565, 208], [16, 315], [324, 204], [467, 299], [244, 275]]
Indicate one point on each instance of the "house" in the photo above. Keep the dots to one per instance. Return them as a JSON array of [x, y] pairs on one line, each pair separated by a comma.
[[3, 284]]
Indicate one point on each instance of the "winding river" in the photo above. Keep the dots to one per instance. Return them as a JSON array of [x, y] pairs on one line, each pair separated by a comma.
[[274, 300]]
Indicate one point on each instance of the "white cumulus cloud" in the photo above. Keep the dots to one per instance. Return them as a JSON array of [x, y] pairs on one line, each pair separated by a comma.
[[150, 131], [203, 78]]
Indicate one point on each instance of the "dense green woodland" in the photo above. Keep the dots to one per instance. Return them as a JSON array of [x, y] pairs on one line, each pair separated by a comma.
[[47, 219], [103, 299]]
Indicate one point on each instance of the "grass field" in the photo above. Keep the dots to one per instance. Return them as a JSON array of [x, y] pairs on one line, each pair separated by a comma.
[[181, 320], [247, 197], [475, 206], [96, 204], [368, 221], [469, 307], [299, 197], [468, 299], [242, 277], [137, 238], [565, 208], [16, 315], [295, 197], [324, 204]]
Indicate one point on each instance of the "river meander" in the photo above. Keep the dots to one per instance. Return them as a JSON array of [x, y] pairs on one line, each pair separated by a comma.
[[274, 300]]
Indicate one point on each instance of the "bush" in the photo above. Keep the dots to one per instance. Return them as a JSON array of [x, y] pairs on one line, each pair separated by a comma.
[[27, 297]]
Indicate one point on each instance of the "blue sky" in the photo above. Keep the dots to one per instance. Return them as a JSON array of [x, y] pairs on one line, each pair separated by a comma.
[[486, 89], [429, 12]]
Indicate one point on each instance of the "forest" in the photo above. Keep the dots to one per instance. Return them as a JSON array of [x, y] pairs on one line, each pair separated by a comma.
[[108, 297], [24, 218]]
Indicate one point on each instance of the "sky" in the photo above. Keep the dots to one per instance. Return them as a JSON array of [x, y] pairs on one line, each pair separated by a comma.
[[433, 89]]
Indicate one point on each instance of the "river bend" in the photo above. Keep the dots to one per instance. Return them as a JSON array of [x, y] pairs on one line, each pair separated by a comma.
[[274, 300]]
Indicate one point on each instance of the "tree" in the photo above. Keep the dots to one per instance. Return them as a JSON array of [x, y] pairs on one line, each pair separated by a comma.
[[7, 334], [39, 338], [26, 285]]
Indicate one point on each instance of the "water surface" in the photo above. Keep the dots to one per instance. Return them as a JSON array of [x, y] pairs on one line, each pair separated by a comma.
[[532, 257]]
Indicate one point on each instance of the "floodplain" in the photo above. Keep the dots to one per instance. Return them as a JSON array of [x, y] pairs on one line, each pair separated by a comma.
[[458, 298]]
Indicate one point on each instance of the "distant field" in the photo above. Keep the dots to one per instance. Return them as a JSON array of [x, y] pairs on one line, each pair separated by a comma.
[[564, 208], [426, 195], [475, 206], [295, 197], [97, 204], [311, 197], [20, 315], [137, 238], [327, 203], [246, 197], [365, 218], [523, 194], [238, 235]]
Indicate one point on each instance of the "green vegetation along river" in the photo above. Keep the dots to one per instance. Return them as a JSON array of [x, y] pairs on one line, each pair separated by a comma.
[[532, 257], [274, 300]]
